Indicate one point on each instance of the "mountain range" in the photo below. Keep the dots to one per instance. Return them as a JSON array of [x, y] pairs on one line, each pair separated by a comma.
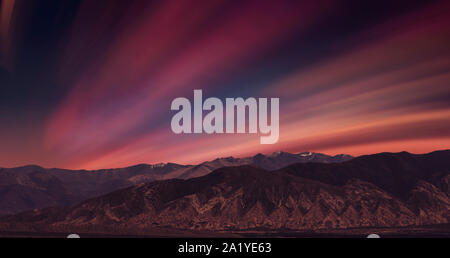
[[387, 190], [31, 187]]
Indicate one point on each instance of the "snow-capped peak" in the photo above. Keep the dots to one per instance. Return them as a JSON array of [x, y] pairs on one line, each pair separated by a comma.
[[305, 154], [159, 165], [276, 154]]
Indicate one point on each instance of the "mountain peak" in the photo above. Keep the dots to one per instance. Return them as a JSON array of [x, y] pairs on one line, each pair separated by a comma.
[[276, 154], [259, 156], [305, 154]]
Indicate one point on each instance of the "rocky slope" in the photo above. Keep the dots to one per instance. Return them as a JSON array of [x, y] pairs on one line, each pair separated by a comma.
[[31, 187], [384, 190]]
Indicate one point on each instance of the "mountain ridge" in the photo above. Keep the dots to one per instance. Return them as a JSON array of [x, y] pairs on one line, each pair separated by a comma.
[[247, 198], [29, 187]]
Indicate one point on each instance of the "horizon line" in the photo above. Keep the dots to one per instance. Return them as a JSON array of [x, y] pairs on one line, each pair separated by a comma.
[[166, 163]]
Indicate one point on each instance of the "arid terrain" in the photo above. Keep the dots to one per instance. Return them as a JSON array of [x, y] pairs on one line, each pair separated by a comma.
[[31, 187], [397, 193]]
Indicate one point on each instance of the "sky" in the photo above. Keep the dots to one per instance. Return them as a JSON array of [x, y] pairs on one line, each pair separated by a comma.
[[88, 84]]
